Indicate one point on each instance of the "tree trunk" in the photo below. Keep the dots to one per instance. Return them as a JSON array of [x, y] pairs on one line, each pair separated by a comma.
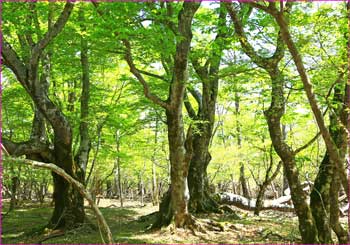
[[68, 202], [328, 179], [242, 180], [180, 155], [82, 156], [155, 197], [200, 199], [14, 185], [179, 160], [69, 208], [319, 200], [273, 116]]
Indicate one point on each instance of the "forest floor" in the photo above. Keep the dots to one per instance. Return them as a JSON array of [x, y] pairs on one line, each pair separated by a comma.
[[25, 225]]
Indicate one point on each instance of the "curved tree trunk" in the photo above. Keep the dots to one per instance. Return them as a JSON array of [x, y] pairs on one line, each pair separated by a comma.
[[273, 117], [69, 208]]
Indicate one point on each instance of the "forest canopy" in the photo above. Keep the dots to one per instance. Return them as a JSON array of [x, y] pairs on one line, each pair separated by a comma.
[[207, 117]]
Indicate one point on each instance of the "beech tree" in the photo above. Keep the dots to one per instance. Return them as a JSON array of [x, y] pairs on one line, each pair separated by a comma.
[[69, 209]]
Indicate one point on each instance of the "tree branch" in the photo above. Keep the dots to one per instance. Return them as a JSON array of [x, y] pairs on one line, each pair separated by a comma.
[[28, 148], [191, 112], [14, 63], [52, 32], [151, 74], [137, 74], [307, 144]]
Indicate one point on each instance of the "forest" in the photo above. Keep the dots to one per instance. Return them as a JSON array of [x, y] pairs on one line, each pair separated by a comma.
[[175, 122]]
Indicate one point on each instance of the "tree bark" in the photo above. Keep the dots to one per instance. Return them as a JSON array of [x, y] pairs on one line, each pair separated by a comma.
[[243, 182], [69, 208], [82, 156], [180, 155], [273, 116], [200, 199]]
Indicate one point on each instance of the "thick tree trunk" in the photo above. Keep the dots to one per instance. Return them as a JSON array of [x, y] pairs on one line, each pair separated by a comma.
[[200, 199], [179, 160], [68, 202], [69, 208]]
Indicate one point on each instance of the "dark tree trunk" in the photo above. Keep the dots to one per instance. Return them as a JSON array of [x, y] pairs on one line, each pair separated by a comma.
[[68, 202], [200, 199], [319, 200]]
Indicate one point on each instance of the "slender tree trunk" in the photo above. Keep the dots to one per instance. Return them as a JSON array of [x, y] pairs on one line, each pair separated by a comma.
[[118, 171], [14, 185], [155, 198], [243, 182], [273, 116], [82, 156]]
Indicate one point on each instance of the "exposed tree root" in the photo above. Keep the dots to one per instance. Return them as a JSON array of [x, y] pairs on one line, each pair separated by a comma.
[[53, 234]]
